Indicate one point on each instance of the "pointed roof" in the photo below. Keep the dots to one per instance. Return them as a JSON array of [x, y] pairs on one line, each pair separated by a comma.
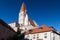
[[31, 22], [23, 7]]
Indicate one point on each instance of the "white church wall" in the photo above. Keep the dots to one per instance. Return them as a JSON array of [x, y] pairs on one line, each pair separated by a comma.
[[21, 18], [28, 27], [26, 21], [13, 25], [36, 36], [56, 36]]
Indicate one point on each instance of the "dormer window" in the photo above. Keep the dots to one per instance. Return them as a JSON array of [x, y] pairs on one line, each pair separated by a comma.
[[40, 28], [30, 31]]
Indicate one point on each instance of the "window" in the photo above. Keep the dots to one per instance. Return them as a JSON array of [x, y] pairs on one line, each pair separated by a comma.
[[37, 35], [34, 37], [21, 24], [45, 36], [25, 28], [40, 28]]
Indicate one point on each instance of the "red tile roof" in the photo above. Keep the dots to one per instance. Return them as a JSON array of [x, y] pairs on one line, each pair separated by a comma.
[[31, 22], [43, 28]]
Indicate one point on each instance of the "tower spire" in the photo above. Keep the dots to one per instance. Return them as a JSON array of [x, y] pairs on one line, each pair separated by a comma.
[[23, 7], [23, 17]]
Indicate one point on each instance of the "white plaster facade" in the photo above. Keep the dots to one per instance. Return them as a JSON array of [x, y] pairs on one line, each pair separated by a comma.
[[56, 36], [13, 26], [25, 28], [43, 36]]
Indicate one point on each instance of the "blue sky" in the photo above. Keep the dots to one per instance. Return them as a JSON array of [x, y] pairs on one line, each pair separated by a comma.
[[42, 11]]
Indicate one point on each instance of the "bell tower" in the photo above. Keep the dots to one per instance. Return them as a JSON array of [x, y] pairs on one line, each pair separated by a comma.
[[23, 17]]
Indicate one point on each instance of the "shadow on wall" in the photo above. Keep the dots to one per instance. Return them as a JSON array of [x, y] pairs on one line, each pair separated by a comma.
[[17, 36]]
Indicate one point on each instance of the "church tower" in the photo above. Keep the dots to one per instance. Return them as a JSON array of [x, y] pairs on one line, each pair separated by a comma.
[[24, 22], [23, 17]]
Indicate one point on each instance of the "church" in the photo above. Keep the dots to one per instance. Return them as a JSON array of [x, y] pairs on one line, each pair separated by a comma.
[[31, 29], [24, 22]]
